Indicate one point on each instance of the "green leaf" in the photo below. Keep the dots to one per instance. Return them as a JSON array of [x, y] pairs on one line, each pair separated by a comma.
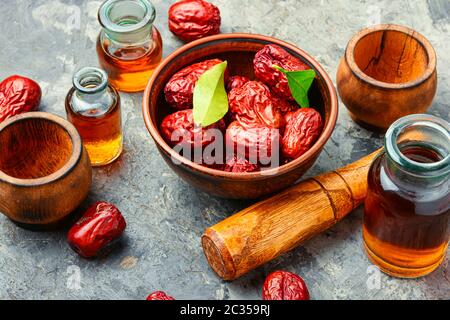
[[299, 82], [210, 96]]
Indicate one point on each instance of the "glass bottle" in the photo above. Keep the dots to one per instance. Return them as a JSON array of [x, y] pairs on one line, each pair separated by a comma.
[[129, 47], [93, 107], [407, 208]]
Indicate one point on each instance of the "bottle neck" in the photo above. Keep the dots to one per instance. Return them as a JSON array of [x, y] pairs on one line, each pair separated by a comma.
[[92, 95], [418, 152], [127, 22]]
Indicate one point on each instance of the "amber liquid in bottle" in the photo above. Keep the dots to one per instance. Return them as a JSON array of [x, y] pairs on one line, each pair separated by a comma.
[[101, 132], [130, 68], [405, 234], [93, 107]]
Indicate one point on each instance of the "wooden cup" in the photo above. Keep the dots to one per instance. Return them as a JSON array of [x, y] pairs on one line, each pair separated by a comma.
[[387, 72], [45, 172]]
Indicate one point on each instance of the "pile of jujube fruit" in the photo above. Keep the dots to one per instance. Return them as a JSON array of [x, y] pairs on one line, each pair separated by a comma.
[[261, 113]]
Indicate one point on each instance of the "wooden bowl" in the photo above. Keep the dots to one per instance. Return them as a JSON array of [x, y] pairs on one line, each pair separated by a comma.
[[239, 50], [387, 72], [45, 172]]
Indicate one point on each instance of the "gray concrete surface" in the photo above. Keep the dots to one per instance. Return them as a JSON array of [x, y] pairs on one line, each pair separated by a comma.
[[49, 39]]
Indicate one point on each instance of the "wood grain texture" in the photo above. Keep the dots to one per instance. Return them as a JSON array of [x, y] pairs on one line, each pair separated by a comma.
[[276, 225], [45, 172], [387, 72], [34, 149]]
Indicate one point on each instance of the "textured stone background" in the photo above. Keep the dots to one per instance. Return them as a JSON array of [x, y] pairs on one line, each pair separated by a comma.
[[49, 39]]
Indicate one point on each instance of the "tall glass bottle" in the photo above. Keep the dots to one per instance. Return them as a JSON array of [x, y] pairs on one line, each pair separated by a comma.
[[407, 209], [129, 47], [93, 107]]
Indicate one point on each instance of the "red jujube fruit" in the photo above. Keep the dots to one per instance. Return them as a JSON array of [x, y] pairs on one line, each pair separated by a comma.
[[236, 82], [194, 19], [284, 285], [179, 128], [159, 295], [263, 64], [283, 105], [240, 165], [179, 91], [99, 226], [18, 95], [258, 143], [303, 127], [252, 105]]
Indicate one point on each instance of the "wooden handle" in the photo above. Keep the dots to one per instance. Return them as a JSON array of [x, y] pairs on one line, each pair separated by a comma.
[[276, 225]]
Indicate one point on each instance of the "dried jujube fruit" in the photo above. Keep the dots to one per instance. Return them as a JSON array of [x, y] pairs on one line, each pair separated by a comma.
[[240, 164], [99, 226], [252, 105], [258, 112], [263, 64], [283, 105], [236, 82], [194, 19], [257, 143], [180, 128], [284, 285], [303, 127], [18, 95], [179, 90], [159, 295]]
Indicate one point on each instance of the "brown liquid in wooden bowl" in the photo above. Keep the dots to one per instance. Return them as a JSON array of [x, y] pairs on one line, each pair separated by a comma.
[[391, 56], [34, 148]]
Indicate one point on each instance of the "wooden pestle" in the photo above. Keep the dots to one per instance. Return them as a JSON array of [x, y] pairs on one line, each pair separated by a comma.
[[276, 225]]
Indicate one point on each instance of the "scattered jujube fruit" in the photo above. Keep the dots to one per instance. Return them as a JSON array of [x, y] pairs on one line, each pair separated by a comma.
[[159, 295], [99, 226], [284, 285], [194, 19], [18, 95]]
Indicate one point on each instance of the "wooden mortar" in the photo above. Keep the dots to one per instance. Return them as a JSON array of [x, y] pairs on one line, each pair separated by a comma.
[[388, 71], [45, 172], [276, 225]]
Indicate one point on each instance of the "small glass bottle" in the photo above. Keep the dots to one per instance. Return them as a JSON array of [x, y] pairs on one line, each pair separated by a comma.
[[129, 47], [407, 209], [93, 107]]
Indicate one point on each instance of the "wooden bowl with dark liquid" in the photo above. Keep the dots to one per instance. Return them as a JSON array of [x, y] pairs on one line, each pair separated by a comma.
[[45, 172], [239, 50], [387, 72]]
